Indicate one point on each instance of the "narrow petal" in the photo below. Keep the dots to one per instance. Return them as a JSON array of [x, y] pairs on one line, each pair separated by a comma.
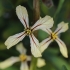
[[47, 30], [62, 47], [21, 48], [45, 43], [13, 40], [24, 66], [22, 15], [45, 22], [62, 27], [9, 62], [35, 46], [41, 62], [28, 58]]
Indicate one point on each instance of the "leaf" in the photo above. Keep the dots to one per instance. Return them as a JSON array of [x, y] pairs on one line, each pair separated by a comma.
[[1, 8], [13, 28], [57, 61], [42, 35], [2, 46], [64, 68], [59, 7]]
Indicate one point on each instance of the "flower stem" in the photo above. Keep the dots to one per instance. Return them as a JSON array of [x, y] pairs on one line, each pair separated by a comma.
[[33, 63], [36, 10], [36, 15]]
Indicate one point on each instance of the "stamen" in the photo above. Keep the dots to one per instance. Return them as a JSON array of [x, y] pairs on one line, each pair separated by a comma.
[[53, 36], [23, 57], [28, 31]]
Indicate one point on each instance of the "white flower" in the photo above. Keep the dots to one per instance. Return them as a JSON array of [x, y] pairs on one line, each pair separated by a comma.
[[62, 27], [23, 58], [22, 14], [40, 62]]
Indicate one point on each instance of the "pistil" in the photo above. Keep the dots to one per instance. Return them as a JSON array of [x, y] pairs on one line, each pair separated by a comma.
[[53, 36], [28, 31]]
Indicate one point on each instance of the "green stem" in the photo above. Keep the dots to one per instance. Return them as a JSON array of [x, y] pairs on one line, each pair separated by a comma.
[[36, 16], [33, 63]]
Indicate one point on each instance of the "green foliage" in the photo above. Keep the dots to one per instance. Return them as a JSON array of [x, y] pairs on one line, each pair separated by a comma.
[[10, 25], [64, 68]]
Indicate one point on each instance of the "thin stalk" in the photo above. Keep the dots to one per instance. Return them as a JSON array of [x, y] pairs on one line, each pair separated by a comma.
[[33, 63], [36, 10], [36, 15]]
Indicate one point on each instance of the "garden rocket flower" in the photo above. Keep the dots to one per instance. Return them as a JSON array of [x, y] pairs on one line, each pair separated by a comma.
[[22, 14], [23, 58], [62, 27]]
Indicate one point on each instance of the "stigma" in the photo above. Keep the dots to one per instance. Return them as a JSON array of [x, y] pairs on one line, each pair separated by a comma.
[[53, 36], [28, 31]]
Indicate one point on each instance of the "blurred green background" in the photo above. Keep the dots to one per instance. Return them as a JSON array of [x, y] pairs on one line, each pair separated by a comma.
[[10, 25]]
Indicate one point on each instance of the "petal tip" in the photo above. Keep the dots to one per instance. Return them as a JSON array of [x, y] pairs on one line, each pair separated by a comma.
[[7, 47], [18, 6], [66, 56]]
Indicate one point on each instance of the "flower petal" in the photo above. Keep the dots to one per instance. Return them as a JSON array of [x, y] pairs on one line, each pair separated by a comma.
[[9, 62], [62, 27], [21, 48], [45, 22], [35, 46], [24, 66], [41, 62], [13, 40], [62, 47], [22, 15], [48, 30], [45, 43], [28, 58]]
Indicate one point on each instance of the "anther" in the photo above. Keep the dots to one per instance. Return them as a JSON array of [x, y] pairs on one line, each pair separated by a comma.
[[28, 31], [54, 36]]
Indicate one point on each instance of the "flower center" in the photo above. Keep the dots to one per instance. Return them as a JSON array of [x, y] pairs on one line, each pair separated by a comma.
[[23, 57], [28, 31], [53, 36]]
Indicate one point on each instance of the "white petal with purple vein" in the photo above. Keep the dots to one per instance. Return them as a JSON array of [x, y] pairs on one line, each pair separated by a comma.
[[22, 15], [35, 46], [45, 43], [46, 22], [62, 27], [63, 48], [13, 40]]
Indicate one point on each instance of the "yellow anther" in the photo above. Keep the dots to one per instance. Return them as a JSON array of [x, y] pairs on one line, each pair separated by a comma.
[[23, 57], [28, 31], [54, 36]]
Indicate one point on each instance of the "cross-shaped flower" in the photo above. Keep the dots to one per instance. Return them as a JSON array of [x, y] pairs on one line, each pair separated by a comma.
[[22, 14], [23, 58], [62, 27]]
